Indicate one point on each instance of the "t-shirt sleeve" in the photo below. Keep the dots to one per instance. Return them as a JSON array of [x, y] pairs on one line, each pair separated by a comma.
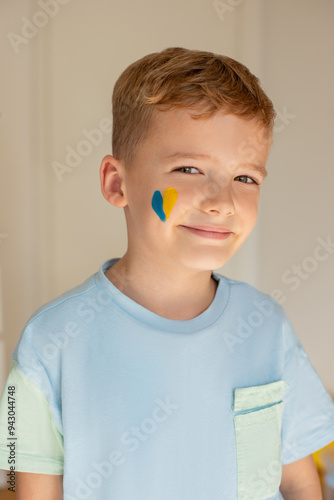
[[308, 417], [29, 435]]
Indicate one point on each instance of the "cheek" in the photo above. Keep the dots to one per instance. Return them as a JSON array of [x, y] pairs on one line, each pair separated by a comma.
[[164, 203], [248, 199], [249, 210]]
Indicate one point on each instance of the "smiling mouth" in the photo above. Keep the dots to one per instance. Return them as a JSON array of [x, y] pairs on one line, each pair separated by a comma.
[[216, 233]]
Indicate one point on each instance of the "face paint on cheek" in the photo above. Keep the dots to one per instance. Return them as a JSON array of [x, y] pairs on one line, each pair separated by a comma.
[[169, 200], [163, 205], [157, 205]]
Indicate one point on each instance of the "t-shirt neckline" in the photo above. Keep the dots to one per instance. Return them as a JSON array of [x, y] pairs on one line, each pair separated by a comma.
[[143, 315]]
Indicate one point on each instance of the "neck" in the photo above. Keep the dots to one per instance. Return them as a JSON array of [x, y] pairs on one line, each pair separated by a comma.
[[165, 291]]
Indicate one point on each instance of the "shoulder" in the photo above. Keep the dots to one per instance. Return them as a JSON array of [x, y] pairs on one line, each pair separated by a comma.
[[59, 323], [246, 299], [63, 303]]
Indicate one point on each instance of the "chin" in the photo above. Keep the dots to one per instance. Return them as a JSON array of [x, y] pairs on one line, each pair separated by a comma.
[[207, 262]]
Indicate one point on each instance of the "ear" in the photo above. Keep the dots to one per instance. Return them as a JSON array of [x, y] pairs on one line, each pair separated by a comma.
[[111, 181]]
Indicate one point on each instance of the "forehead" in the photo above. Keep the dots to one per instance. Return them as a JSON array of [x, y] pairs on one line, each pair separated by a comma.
[[175, 133]]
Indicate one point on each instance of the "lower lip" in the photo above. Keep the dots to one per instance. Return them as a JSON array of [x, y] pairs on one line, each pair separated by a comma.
[[208, 234]]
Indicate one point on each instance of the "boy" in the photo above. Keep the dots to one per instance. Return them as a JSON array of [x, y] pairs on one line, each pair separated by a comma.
[[157, 378]]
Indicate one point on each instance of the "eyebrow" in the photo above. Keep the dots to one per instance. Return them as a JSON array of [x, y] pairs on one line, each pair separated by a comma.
[[196, 156]]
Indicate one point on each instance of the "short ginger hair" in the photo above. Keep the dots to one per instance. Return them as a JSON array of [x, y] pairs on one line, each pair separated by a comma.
[[181, 78]]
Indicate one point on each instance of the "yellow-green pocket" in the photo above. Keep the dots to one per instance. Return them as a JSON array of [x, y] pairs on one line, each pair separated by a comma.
[[257, 423]]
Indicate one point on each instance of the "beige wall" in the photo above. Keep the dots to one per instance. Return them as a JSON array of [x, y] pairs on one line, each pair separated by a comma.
[[60, 83]]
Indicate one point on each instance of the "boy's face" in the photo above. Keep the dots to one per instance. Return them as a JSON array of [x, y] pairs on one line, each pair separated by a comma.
[[217, 190]]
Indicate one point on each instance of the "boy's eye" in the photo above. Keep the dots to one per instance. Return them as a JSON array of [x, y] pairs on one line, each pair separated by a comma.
[[190, 170], [246, 177], [187, 169]]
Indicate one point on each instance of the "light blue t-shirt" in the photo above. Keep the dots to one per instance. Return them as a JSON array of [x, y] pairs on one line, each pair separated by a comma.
[[129, 405]]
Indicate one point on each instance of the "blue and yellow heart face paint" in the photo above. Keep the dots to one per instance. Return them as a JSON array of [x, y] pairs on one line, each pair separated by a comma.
[[163, 205]]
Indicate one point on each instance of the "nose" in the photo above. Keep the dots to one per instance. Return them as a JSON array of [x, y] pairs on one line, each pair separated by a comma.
[[216, 196]]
